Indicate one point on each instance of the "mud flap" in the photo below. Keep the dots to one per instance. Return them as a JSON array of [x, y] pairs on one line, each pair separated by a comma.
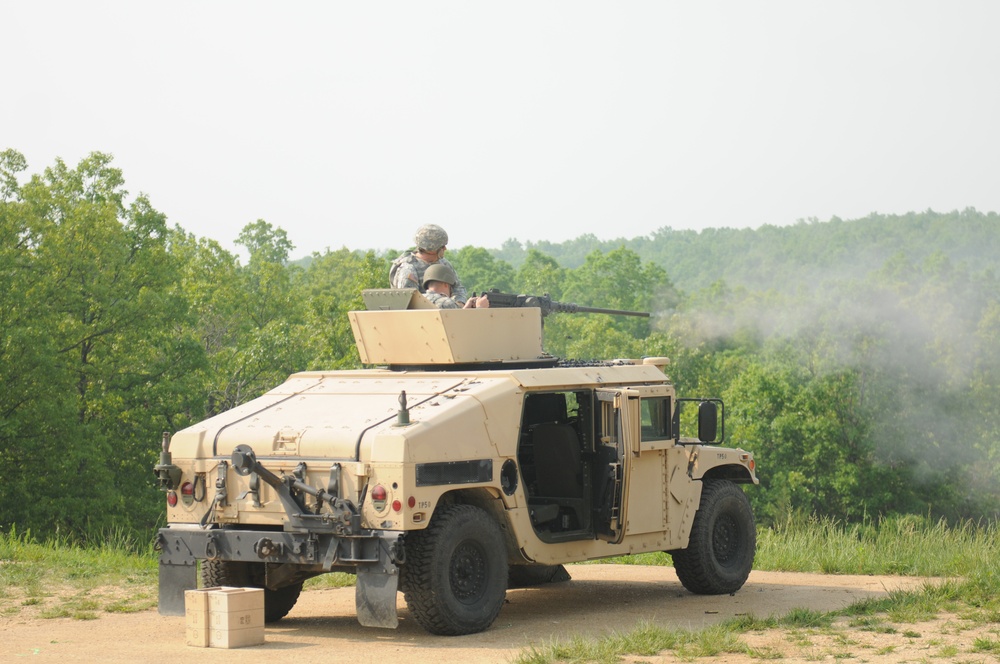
[[174, 580], [375, 596]]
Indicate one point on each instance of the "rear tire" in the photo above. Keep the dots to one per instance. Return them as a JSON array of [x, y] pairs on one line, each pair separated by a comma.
[[277, 603], [455, 576], [723, 542]]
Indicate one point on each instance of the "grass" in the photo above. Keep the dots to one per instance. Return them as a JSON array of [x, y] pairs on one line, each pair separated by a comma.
[[58, 578], [332, 580], [986, 644], [803, 629], [645, 641], [907, 545], [67, 579]]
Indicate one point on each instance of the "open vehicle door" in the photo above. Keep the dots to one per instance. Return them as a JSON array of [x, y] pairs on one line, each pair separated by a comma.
[[614, 459]]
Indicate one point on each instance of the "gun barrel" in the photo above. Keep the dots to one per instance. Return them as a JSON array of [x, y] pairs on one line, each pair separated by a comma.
[[612, 312], [550, 306]]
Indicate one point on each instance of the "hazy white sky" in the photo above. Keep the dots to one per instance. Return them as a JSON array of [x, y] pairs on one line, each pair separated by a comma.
[[350, 124]]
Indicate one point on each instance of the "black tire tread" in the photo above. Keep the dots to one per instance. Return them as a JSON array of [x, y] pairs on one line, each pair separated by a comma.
[[696, 566], [277, 603], [423, 596]]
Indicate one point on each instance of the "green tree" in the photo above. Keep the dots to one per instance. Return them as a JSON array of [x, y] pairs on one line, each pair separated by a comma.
[[102, 284], [480, 271], [540, 274], [252, 320], [265, 243], [37, 405], [332, 286], [620, 280], [617, 280]]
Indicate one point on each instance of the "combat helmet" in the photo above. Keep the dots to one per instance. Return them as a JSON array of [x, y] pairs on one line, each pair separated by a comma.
[[439, 272], [430, 237]]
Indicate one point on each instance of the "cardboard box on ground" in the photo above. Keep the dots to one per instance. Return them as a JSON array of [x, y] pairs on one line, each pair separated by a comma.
[[224, 617]]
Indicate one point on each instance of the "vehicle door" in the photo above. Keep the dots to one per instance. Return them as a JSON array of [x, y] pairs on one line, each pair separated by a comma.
[[616, 430], [653, 456]]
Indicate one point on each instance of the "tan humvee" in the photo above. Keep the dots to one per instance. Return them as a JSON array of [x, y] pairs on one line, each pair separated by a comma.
[[470, 460]]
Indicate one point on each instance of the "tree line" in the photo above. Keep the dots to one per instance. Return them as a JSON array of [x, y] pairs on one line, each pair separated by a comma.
[[862, 392]]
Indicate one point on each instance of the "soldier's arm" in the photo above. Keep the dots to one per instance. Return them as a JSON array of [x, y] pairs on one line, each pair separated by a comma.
[[442, 301]]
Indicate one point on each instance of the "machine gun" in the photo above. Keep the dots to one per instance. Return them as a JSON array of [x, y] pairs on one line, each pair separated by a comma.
[[550, 306]]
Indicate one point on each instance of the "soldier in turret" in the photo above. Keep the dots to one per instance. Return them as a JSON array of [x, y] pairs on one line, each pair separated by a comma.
[[407, 271], [437, 284]]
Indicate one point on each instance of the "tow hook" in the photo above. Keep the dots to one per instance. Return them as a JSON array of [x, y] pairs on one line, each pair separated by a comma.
[[211, 547], [265, 548]]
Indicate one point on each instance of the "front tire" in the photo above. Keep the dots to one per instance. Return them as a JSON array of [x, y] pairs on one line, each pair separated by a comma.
[[277, 603], [455, 576], [723, 542]]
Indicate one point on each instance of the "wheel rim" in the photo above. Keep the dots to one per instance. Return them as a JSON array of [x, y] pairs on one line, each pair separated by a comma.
[[725, 539], [468, 574]]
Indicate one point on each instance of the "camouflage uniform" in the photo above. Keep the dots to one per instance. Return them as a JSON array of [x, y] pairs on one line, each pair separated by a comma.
[[442, 301], [407, 271]]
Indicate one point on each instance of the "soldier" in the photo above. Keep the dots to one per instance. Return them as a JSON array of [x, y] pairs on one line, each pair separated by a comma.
[[439, 279], [407, 271]]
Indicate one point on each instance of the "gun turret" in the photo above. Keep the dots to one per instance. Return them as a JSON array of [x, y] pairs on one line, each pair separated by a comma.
[[550, 306]]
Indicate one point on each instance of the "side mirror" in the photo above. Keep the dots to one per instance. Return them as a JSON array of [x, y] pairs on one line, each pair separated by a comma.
[[708, 421]]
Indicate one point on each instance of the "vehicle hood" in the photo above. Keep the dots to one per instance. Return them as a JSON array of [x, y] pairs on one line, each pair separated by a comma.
[[312, 415]]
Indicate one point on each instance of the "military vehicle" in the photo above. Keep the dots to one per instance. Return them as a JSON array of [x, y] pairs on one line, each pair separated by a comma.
[[466, 460]]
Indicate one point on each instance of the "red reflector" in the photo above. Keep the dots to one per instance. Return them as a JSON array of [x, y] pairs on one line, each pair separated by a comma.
[[378, 493], [187, 489], [172, 498], [396, 505], [411, 502]]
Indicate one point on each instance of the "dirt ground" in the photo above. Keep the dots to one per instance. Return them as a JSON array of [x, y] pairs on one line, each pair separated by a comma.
[[600, 599]]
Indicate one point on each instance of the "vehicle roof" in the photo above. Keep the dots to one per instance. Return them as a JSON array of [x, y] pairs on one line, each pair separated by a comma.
[[594, 375]]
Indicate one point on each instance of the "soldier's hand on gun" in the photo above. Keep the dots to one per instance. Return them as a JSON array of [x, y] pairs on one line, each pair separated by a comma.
[[481, 302]]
